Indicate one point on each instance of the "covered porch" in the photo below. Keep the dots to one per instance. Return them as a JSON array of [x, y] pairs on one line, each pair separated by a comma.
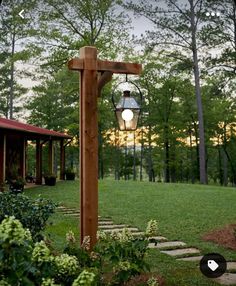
[[14, 137]]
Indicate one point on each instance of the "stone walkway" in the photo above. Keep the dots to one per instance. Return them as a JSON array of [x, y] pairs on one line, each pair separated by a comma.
[[177, 249]]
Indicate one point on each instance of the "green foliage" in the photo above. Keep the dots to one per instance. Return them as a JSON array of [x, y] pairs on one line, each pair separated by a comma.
[[33, 214], [117, 257], [120, 256]]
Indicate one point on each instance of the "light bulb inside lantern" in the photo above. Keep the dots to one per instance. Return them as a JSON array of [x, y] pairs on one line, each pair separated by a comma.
[[127, 115]]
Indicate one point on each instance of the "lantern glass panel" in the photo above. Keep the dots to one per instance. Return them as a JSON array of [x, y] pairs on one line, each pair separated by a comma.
[[127, 125], [127, 103]]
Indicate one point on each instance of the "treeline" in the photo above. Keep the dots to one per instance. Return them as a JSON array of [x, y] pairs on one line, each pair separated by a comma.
[[187, 127]]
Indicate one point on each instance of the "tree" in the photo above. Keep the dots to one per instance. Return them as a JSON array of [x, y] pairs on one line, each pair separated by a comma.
[[177, 26], [15, 32]]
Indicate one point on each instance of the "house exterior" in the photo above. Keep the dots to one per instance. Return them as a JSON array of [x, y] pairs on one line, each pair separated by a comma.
[[14, 136]]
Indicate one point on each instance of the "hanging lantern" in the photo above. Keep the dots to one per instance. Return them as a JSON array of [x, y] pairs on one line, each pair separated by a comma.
[[127, 109]]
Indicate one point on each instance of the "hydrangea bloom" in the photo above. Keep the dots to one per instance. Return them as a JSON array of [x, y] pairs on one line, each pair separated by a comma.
[[12, 231], [124, 265], [70, 237], [152, 282], [152, 228], [48, 282], [41, 253], [86, 243], [101, 235], [66, 264], [125, 235], [85, 278], [3, 282]]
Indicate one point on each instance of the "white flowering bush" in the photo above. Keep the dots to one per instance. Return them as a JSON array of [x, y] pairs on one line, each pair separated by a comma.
[[3, 282], [152, 282], [12, 232], [101, 235], [119, 256], [66, 265], [48, 282], [152, 228], [85, 278], [125, 235], [41, 253], [15, 248], [70, 237]]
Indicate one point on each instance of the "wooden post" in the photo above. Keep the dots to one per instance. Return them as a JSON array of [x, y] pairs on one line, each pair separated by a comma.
[[2, 158], [23, 158], [62, 160], [38, 162], [88, 146], [50, 156], [90, 88]]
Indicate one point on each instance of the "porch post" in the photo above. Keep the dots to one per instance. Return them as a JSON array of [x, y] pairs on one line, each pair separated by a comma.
[[38, 162], [23, 158], [50, 156], [62, 160], [2, 158]]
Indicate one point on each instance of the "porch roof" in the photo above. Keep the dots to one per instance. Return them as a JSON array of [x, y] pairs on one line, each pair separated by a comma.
[[31, 130]]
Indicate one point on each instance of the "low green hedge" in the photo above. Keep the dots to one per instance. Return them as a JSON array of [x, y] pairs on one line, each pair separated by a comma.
[[32, 213]]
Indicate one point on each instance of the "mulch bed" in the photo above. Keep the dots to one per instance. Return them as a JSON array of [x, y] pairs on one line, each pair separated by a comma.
[[224, 237], [143, 278]]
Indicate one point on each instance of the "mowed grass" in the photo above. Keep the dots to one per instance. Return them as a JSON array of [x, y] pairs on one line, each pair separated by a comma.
[[184, 212]]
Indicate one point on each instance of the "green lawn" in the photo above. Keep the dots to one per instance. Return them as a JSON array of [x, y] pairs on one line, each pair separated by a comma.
[[184, 212]]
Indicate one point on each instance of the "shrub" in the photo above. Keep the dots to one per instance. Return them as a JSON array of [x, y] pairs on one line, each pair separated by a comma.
[[119, 255], [114, 260], [33, 214]]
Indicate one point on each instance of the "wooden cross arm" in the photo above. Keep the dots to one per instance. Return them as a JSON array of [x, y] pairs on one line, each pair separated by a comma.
[[102, 66]]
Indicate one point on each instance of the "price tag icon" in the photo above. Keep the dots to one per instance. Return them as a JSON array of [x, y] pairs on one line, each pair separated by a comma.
[[212, 265]]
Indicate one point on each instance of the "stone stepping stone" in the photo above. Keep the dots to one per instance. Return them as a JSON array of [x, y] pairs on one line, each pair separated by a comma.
[[157, 238], [120, 229], [68, 210], [74, 212], [166, 245], [112, 226], [231, 266], [105, 218], [226, 279], [138, 233], [106, 222], [191, 258], [181, 252]]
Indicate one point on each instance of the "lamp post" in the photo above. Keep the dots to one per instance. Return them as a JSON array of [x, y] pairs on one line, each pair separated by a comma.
[[94, 74], [127, 109]]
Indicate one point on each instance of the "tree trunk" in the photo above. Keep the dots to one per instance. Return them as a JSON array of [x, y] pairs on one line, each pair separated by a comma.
[[134, 162], [151, 175], [167, 154], [126, 158], [202, 155], [225, 168], [191, 159], [220, 171], [100, 154], [11, 94], [141, 157]]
